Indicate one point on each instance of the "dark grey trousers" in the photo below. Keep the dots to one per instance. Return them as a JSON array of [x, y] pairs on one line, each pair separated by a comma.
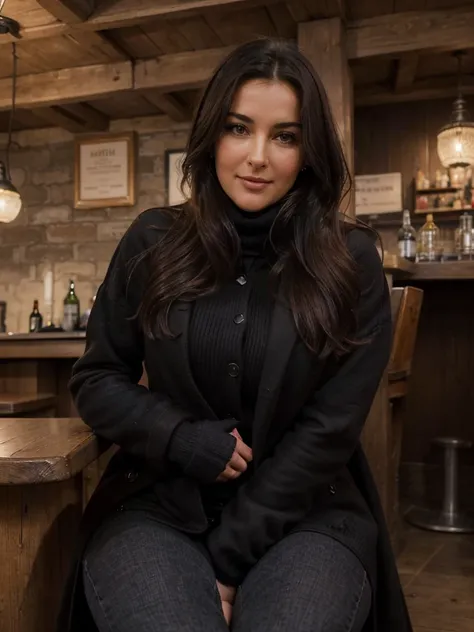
[[141, 576]]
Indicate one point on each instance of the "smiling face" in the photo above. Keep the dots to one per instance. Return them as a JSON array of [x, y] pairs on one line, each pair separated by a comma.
[[259, 154]]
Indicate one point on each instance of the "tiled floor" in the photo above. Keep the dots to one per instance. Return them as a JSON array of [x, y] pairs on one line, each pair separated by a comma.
[[437, 572]]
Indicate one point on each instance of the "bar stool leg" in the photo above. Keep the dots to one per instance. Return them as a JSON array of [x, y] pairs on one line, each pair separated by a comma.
[[449, 519]]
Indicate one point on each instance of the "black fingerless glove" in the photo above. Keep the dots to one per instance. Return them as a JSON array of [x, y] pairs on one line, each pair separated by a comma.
[[202, 449]]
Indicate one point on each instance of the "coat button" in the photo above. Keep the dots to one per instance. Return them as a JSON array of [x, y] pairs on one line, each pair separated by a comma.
[[332, 489], [233, 369], [241, 280], [239, 319], [132, 476]]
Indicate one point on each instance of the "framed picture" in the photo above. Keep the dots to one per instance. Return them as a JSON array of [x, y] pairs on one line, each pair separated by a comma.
[[104, 170], [173, 175]]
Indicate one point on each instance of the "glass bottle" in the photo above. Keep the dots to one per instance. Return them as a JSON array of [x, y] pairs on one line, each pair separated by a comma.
[[407, 238], [36, 319], [71, 309], [428, 245], [465, 236]]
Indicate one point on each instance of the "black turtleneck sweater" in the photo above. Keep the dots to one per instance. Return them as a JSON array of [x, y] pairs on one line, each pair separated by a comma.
[[228, 330]]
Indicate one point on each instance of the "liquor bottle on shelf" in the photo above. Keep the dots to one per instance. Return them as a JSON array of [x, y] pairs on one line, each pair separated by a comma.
[[465, 236], [36, 319], [407, 238], [71, 309], [428, 244]]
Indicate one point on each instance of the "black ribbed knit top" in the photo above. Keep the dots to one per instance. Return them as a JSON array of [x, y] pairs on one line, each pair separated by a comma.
[[229, 329]]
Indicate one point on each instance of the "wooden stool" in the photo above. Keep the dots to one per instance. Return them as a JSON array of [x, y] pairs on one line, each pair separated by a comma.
[[41, 464], [406, 308]]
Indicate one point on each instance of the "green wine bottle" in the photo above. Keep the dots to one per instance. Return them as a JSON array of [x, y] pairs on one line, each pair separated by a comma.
[[71, 309], [36, 319]]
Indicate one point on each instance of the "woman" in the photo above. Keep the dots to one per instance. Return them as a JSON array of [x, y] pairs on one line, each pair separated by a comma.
[[240, 496]]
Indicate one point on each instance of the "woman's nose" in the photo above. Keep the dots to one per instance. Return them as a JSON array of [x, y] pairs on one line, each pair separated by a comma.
[[257, 156]]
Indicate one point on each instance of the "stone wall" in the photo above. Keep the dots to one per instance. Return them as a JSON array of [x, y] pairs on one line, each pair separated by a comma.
[[50, 233]]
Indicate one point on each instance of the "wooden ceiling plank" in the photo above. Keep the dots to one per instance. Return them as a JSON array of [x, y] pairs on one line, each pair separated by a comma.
[[169, 105], [282, 20], [413, 31], [103, 43], [322, 9], [84, 83], [68, 11], [406, 72], [198, 32], [166, 36], [422, 90], [136, 43]]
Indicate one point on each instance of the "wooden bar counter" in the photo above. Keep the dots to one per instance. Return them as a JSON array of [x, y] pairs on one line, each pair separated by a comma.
[[40, 363], [41, 502]]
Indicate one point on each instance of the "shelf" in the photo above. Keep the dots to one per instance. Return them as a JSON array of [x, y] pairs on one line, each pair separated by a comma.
[[442, 209], [434, 191]]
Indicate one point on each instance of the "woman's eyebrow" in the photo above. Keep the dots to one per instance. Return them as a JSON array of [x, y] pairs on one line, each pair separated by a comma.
[[247, 119]]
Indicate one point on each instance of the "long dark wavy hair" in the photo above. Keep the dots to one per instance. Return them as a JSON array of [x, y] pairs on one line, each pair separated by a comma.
[[201, 249]]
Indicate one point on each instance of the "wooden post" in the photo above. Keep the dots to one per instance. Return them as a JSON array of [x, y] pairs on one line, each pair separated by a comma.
[[324, 43]]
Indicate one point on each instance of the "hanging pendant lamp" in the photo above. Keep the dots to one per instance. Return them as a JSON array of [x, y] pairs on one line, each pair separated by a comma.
[[10, 200], [456, 140]]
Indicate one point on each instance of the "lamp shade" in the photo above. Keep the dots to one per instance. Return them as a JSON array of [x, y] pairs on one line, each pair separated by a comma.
[[456, 145], [10, 200]]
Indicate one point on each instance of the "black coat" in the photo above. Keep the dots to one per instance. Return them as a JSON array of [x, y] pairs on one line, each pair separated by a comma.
[[309, 468]]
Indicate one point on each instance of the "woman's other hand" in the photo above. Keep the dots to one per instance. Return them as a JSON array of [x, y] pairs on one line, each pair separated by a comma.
[[227, 595], [238, 463]]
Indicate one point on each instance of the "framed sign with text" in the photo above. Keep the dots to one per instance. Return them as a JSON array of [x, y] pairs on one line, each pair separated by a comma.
[[378, 194], [104, 170]]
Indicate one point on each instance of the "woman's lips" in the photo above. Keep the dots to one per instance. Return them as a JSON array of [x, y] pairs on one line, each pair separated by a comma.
[[255, 184]]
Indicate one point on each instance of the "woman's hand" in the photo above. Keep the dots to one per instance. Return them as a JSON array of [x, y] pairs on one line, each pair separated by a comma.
[[238, 463], [227, 595]]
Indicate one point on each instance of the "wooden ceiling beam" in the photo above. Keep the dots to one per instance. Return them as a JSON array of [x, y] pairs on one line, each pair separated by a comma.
[[172, 73], [168, 73], [179, 71], [169, 105], [92, 119], [68, 85], [405, 72], [414, 31], [68, 11], [60, 117], [421, 90]]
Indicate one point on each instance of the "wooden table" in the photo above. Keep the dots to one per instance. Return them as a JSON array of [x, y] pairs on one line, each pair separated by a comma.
[[41, 464]]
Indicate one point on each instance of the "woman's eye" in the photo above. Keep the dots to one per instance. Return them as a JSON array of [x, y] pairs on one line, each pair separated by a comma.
[[236, 128], [287, 138]]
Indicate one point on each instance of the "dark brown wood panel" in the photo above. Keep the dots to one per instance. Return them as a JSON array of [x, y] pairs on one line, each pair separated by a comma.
[[236, 28], [400, 137]]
